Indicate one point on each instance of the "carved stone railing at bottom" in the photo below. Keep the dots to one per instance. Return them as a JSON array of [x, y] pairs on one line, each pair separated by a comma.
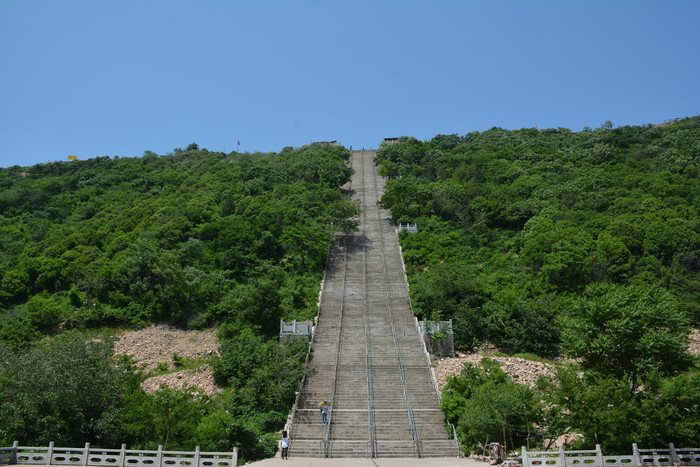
[[87, 456], [595, 458], [671, 456]]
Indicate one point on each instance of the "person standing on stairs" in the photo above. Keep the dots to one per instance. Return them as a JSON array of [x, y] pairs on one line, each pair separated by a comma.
[[285, 445], [324, 412]]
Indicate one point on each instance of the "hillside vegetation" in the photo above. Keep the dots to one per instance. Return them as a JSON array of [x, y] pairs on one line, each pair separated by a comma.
[[551, 242], [194, 239], [541, 243]]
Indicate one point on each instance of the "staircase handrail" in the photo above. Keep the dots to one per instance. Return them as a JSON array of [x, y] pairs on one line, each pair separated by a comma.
[[334, 381], [418, 448], [299, 395], [370, 405], [390, 305], [371, 449], [411, 418], [450, 426], [368, 338]]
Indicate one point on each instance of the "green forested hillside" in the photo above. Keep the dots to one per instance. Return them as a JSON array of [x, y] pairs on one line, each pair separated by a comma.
[[514, 224], [195, 239], [545, 242], [552, 242], [179, 239]]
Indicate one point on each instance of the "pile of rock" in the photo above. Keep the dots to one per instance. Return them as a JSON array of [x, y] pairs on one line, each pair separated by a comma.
[[521, 370], [200, 379], [694, 347], [154, 347], [158, 343]]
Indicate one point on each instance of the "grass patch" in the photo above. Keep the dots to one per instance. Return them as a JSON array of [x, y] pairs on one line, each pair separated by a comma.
[[178, 364], [533, 357]]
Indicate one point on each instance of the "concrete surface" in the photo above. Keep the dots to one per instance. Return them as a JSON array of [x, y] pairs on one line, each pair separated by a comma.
[[386, 462], [315, 462]]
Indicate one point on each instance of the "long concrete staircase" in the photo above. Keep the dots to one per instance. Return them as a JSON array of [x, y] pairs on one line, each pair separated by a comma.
[[368, 361]]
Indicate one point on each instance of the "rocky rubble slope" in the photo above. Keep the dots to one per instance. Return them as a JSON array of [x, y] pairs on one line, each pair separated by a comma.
[[155, 346], [694, 347], [521, 370]]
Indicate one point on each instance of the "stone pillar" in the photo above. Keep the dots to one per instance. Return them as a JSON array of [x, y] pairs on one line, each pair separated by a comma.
[[13, 456], [674, 454], [122, 456], [599, 456], [562, 457], [49, 454], [637, 457]]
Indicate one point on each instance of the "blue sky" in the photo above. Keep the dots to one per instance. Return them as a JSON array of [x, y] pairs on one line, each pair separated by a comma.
[[100, 77]]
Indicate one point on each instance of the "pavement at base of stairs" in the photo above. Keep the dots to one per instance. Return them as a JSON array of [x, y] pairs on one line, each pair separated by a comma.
[[385, 462]]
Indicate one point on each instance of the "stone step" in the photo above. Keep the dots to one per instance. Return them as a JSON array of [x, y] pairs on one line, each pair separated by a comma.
[[307, 431], [404, 447], [440, 448]]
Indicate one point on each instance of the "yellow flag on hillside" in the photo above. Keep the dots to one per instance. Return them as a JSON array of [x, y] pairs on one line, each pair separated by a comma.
[[72, 158]]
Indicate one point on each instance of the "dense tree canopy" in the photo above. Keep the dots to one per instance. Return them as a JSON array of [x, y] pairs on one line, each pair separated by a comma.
[[67, 392], [551, 242], [486, 403], [512, 225], [192, 239], [623, 332]]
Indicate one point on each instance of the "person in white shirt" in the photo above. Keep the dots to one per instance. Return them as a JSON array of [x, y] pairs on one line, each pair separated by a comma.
[[285, 445]]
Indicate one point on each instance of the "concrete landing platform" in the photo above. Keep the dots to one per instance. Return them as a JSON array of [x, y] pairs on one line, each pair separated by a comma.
[[316, 462], [401, 462]]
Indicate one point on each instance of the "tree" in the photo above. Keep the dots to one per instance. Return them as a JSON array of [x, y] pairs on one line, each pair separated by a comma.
[[68, 391], [558, 252], [221, 431], [602, 409], [664, 239], [485, 402], [451, 290], [621, 332], [521, 324], [14, 286], [176, 416], [611, 259], [44, 314]]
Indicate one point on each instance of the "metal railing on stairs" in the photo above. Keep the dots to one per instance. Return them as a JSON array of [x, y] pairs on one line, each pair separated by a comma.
[[368, 339], [299, 399], [411, 419], [325, 442]]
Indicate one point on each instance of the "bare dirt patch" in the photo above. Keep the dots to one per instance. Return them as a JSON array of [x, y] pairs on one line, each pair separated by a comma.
[[154, 347]]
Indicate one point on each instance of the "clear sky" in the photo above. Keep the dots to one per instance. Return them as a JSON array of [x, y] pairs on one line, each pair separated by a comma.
[[101, 77]]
